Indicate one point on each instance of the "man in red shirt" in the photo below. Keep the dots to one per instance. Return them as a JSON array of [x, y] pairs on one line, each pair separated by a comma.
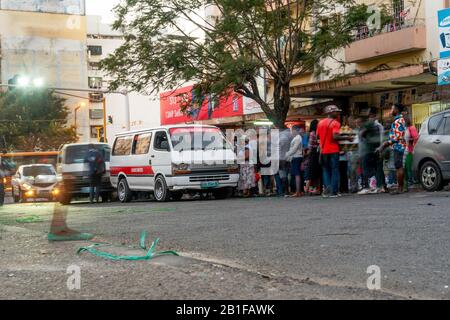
[[328, 134]]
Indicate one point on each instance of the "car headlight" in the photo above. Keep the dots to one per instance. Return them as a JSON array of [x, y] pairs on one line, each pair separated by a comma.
[[26, 186], [29, 193], [233, 168], [181, 168]]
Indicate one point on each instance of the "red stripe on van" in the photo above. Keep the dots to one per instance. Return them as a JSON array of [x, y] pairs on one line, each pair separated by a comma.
[[144, 170]]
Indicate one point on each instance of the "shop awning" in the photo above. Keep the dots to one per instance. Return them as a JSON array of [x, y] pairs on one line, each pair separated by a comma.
[[377, 81]]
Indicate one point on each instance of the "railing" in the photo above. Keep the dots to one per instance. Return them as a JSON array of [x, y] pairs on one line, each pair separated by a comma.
[[364, 32]]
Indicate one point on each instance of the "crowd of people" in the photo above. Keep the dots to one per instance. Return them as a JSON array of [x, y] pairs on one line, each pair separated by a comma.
[[361, 156]]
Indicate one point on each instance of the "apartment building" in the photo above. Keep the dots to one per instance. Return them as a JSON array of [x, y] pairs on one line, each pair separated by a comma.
[[131, 111], [394, 64], [47, 40]]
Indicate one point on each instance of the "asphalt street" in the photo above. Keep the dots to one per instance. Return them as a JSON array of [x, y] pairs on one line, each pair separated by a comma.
[[259, 248]]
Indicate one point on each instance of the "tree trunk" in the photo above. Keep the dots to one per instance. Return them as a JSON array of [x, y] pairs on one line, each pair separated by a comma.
[[282, 103]]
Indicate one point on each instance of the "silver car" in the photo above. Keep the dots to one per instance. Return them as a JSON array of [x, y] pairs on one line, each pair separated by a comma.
[[34, 181], [432, 152]]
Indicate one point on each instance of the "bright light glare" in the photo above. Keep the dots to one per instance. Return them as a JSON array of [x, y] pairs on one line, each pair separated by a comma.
[[38, 82], [23, 81], [263, 123]]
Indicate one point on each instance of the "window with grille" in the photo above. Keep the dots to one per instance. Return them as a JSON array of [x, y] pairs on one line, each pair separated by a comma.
[[95, 82], [96, 114], [95, 50], [96, 132], [95, 97], [398, 6], [94, 66]]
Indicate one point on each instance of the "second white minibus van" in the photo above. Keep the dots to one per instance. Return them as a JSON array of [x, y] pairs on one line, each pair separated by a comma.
[[172, 160]]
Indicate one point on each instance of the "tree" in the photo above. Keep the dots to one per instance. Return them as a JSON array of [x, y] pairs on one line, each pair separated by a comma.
[[285, 38], [34, 119]]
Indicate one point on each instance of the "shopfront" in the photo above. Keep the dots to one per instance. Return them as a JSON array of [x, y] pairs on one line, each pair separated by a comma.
[[414, 86]]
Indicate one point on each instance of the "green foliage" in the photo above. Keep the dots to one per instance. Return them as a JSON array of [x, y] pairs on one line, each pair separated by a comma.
[[282, 37], [34, 119]]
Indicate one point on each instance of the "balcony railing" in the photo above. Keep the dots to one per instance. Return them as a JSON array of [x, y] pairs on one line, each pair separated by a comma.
[[397, 37], [364, 32]]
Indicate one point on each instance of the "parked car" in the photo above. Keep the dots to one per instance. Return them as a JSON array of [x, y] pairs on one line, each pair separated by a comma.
[[73, 172], [432, 152], [169, 161], [34, 181]]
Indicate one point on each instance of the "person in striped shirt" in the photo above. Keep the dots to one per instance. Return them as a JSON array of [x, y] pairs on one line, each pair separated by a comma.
[[398, 143]]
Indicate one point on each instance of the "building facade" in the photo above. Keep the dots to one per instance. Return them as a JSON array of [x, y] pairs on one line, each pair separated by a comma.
[[394, 63], [47, 39], [143, 111]]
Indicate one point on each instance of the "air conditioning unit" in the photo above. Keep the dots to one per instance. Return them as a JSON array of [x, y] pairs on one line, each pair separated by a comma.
[[96, 97], [96, 114]]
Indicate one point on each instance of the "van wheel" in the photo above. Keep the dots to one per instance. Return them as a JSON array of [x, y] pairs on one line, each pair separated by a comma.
[[162, 194], [431, 177], [223, 193], [123, 191]]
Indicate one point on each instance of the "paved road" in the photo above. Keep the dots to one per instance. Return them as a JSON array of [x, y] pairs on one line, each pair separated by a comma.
[[239, 249]]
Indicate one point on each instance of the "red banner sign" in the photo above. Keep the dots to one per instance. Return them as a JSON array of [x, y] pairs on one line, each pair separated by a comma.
[[171, 102]]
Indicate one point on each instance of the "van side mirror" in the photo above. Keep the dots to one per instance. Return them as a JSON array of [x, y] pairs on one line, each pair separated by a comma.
[[165, 145]]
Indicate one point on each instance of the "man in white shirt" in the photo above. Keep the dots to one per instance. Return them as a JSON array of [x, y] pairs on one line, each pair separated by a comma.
[[295, 157]]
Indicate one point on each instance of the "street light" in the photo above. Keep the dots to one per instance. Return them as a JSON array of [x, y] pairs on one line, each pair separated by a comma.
[[38, 82], [25, 81]]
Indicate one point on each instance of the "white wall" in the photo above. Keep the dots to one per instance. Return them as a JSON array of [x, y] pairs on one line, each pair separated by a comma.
[[431, 9], [144, 110]]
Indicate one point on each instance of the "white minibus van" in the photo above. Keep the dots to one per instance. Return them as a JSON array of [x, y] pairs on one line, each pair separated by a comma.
[[169, 161], [73, 172]]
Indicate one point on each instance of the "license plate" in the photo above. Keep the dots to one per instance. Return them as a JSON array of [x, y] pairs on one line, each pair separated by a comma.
[[209, 184]]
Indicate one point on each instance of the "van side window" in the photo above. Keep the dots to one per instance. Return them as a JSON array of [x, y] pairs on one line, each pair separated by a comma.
[[122, 146], [434, 124], [160, 141], [142, 143]]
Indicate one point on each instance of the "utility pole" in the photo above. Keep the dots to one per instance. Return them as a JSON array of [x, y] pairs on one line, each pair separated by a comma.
[[127, 110], [104, 119]]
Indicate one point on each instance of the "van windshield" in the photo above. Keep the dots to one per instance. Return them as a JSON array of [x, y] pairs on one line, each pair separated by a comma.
[[198, 138], [35, 171], [77, 154]]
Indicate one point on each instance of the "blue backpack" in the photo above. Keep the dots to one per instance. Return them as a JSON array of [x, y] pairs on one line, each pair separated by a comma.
[[96, 162]]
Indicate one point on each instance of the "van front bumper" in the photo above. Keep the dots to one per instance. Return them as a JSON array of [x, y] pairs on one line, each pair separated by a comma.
[[81, 186], [210, 182]]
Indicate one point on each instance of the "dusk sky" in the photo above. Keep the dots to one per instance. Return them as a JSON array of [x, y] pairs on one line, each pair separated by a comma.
[[101, 7]]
